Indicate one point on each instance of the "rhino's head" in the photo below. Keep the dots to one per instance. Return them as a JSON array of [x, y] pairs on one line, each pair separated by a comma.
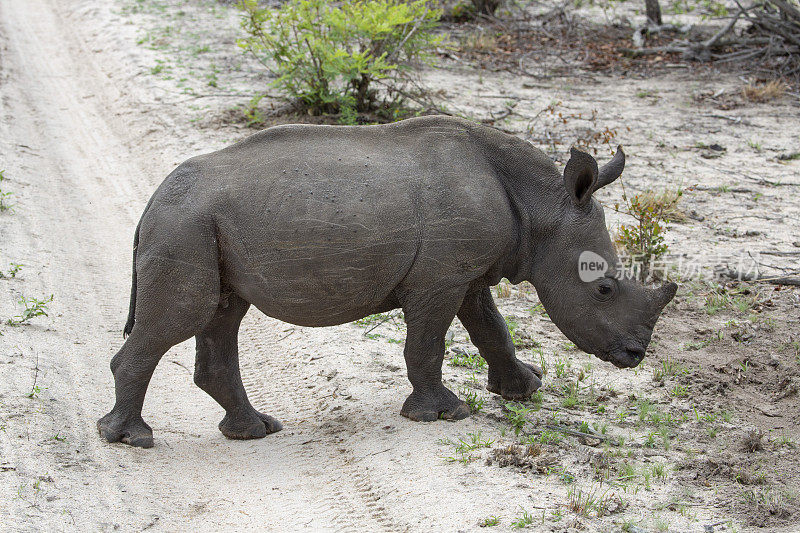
[[577, 274]]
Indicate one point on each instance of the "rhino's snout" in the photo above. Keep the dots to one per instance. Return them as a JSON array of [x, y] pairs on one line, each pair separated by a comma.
[[630, 356], [625, 356]]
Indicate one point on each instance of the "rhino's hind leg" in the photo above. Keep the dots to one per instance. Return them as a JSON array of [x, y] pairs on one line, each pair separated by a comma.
[[176, 296], [428, 321], [217, 373], [132, 367], [508, 376]]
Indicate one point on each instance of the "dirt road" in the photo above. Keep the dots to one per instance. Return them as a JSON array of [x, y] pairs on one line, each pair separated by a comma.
[[92, 120], [345, 461]]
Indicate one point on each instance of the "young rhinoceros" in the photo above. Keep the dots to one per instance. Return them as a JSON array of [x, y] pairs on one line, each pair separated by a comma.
[[321, 225]]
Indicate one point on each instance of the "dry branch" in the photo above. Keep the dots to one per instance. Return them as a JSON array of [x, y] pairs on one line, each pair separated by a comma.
[[770, 40], [737, 275]]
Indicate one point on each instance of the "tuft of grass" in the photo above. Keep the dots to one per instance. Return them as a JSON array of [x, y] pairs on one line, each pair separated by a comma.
[[468, 360], [542, 361], [252, 114], [571, 399], [679, 391], [629, 526], [473, 399], [489, 521], [667, 369], [585, 502], [548, 436], [537, 398], [503, 289], [158, 68], [523, 520], [660, 472], [764, 92], [538, 309], [768, 500], [463, 448], [645, 408], [664, 202], [716, 302], [473, 441], [562, 367]]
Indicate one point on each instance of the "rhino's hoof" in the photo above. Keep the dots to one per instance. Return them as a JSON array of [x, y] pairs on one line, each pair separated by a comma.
[[535, 369], [130, 430], [439, 404], [248, 425], [517, 383]]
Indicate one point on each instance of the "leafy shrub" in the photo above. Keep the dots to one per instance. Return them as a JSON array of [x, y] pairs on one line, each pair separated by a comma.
[[643, 241], [329, 55]]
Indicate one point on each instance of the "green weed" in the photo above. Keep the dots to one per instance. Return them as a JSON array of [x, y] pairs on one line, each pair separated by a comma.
[[34, 307], [12, 271], [516, 414], [4, 196]]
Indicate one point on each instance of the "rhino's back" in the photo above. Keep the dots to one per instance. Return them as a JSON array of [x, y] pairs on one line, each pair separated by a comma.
[[319, 225]]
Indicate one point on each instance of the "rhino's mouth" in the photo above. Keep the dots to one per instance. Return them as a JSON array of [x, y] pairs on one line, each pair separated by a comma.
[[624, 357]]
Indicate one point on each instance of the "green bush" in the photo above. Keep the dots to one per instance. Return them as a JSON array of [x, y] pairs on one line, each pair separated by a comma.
[[328, 55], [643, 241]]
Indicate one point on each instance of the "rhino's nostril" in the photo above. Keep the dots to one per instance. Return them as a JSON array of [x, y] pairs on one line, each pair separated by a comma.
[[635, 352]]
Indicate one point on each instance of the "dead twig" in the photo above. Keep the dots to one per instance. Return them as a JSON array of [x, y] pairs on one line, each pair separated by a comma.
[[506, 112], [737, 275], [575, 433]]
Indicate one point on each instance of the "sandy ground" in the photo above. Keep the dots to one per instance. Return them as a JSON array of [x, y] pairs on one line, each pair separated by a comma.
[[100, 101]]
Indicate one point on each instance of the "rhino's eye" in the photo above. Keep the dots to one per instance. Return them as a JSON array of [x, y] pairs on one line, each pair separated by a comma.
[[605, 289]]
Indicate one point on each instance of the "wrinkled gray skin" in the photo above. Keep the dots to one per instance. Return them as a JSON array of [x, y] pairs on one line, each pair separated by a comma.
[[321, 225]]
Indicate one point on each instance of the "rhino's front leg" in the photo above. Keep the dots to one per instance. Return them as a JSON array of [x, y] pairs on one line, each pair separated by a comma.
[[508, 376], [428, 320]]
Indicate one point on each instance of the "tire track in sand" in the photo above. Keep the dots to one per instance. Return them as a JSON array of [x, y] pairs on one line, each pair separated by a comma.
[[279, 382]]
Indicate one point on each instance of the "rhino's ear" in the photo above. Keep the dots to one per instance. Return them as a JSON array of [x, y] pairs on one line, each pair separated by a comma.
[[580, 176], [611, 170]]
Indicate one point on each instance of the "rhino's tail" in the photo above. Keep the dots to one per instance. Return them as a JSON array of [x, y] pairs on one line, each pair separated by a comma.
[[132, 309]]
